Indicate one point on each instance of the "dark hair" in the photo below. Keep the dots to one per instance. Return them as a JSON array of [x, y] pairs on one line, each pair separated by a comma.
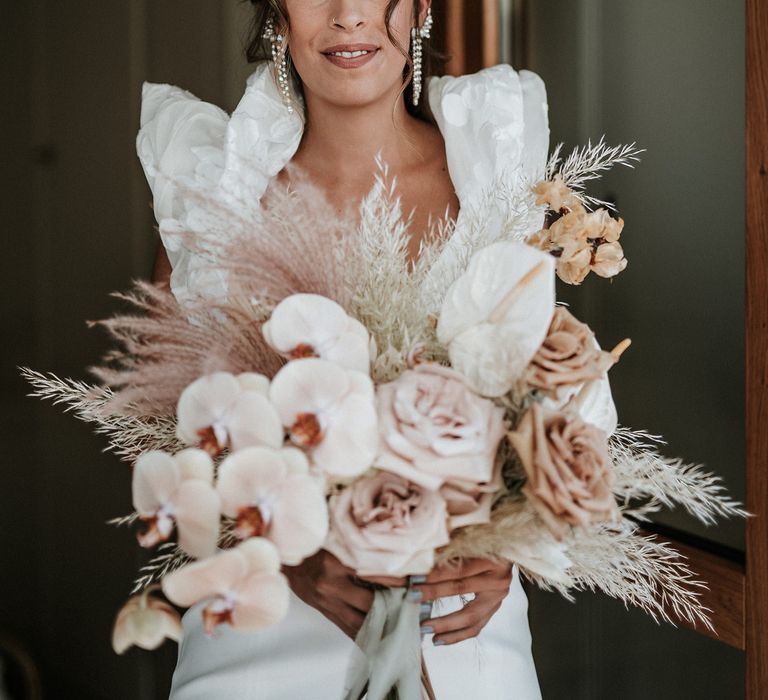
[[258, 48]]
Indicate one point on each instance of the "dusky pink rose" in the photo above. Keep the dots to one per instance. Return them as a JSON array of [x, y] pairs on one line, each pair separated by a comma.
[[570, 473], [470, 504], [568, 357], [384, 525], [435, 429]]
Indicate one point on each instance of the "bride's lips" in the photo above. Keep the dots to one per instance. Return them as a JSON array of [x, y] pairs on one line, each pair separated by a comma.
[[350, 61]]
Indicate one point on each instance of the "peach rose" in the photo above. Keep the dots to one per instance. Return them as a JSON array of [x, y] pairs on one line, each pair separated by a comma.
[[384, 525], [435, 429], [568, 357], [569, 470]]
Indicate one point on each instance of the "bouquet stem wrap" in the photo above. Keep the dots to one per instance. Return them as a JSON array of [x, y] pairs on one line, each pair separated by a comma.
[[390, 664]]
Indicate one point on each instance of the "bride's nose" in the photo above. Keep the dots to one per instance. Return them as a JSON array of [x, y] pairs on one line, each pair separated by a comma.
[[347, 14]]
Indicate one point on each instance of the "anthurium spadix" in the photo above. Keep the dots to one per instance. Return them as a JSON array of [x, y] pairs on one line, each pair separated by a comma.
[[330, 412], [311, 325], [271, 493], [242, 587], [177, 491], [221, 410], [496, 315]]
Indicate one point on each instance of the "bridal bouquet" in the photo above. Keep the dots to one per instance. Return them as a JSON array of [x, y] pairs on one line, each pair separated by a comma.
[[325, 391]]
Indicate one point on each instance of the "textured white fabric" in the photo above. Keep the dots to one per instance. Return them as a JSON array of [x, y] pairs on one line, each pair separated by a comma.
[[494, 124]]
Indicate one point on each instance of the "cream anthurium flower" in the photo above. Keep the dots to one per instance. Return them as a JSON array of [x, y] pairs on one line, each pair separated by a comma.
[[146, 622], [177, 491], [311, 325], [221, 410], [271, 493], [330, 411], [242, 587], [496, 315]]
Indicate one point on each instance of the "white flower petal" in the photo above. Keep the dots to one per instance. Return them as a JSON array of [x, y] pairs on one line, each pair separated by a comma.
[[195, 464], [319, 324], [253, 421], [252, 381], [299, 519], [205, 578], [307, 386], [155, 479], [260, 554], [262, 601], [491, 321], [197, 511], [247, 476], [204, 403]]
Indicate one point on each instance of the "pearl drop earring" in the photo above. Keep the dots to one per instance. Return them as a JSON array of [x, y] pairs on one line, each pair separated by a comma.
[[280, 60], [418, 34]]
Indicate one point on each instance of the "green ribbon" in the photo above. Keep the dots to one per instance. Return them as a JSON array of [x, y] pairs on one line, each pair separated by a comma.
[[390, 665]]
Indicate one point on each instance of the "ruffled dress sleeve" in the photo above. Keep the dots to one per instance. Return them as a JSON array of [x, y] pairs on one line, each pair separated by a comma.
[[496, 131], [495, 126], [186, 145]]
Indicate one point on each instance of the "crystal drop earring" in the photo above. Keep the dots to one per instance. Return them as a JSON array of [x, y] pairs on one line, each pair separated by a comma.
[[280, 59], [418, 34]]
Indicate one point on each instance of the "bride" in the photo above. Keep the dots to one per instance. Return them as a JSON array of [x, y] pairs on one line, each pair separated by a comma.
[[338, 83]]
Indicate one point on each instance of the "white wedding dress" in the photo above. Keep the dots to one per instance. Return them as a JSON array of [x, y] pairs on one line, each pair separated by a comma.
[[494, 124]]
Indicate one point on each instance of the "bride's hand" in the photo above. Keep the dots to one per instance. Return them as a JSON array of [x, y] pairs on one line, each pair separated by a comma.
[[489, 580], [323, 582]]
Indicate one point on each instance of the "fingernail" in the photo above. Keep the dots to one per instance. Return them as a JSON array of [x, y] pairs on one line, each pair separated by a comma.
[[414, 595], [418, 578], [427, 630], [438, 642], [425, 612]]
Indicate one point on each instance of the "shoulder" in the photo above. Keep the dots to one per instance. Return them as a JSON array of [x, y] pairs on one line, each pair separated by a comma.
[[494, 123]]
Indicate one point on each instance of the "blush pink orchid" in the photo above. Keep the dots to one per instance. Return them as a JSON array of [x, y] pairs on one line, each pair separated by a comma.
[[220, 411], [329, 411], [242, 587], [271, 493], [311, 325], [177, 491]]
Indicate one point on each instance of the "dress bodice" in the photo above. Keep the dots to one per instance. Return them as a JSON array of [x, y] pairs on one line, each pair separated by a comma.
[[494, 124]]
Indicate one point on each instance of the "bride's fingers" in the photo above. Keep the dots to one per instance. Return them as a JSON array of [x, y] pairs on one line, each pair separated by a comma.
[[471, 567], [488, 581], [465, 623]]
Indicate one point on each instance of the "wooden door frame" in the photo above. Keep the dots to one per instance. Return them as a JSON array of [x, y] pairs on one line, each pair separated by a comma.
[[738, 583]]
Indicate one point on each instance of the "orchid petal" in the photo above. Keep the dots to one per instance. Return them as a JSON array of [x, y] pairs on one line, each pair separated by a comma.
[[262, 600], [205, 578], [155, 479], [299, 519], [195, 464], [253, 421], [205, 403], [253, 381], [261, 555], [197, 514], [246, 475]]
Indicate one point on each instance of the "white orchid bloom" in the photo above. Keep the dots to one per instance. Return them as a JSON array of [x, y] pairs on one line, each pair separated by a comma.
[[243, 587], [496, 315], [271, 493], [146, 622], [177, 491], [330, 411], [310, 325], [221, 410]]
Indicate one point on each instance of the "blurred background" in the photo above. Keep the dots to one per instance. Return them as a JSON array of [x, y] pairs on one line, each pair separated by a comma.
[[77, 224]]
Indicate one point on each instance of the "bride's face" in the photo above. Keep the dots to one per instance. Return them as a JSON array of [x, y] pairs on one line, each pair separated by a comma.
[[341, 48]]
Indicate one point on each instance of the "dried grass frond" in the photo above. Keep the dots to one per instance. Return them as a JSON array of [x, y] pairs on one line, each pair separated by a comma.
[[128, 434], [643, 474]]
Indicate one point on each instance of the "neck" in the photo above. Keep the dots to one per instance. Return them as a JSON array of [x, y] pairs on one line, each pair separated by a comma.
[[349, 138]]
